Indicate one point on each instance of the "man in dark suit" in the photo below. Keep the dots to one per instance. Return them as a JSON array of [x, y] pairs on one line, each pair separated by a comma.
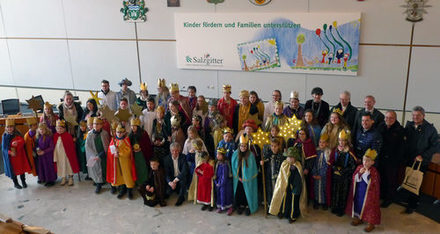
[[349, 111], [176, 170], [321, 109]]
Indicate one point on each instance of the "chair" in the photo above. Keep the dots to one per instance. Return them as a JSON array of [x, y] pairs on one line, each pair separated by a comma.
[[10, 106]]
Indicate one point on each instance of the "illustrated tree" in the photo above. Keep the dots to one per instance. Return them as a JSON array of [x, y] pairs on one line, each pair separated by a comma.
[[300, 40], [246, 68]]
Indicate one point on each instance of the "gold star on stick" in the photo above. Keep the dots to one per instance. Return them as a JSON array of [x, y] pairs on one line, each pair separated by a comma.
[[71, 120], [260, 138], [107, 113], [136, 109], [295, 123], [95, 97], [123, 115]]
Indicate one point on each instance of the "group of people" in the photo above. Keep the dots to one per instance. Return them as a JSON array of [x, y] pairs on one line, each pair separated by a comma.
[[342, 159]]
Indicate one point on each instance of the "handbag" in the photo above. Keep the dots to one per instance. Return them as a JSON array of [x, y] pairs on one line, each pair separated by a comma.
[[413, 179]]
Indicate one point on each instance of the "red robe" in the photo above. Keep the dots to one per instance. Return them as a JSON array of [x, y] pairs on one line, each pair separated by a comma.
[[19, 162], [371, 208], [106, 126], [69, 147], [204, 184], [227, 109], [146, 147], [111, 177]]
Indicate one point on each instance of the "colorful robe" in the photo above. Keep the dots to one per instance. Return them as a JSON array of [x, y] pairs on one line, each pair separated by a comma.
[[205, 173], [249, 175], [322, 187], [69, 150], [141, 158], [18, 164], [333, 133], [29, 139], [274, 120], [223, 184], [46, 167], [364, 197], [121, 170], [227, 108], [229, 146], [96, 148]]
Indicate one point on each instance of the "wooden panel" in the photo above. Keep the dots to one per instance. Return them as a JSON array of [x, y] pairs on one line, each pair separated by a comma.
[[437, 187], [428, 183]]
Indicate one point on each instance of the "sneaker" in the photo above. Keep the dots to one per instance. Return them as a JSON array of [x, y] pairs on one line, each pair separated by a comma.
[[230, 210], [63, 181]]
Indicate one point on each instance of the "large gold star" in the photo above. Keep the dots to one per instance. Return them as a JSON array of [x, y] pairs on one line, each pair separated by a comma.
[[95, 97], [286, 131], [136, 109], [260, 138], [123, 115], [34, 104], [107, 113], [295, 123]]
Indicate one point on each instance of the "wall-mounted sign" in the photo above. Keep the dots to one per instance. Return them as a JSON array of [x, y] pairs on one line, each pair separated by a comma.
[[320, 43], [134, 10]]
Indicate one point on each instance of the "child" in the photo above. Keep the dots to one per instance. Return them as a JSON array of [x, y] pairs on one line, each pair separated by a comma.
[[190, 147], [223, 182], [45, 147], [153, 190], [163, 94], [218, 128], [14, 155], [227, 143], [177, 134], [244, 170], [148, 116], [194, 159], [289, 198], [121, 170], [160, 135], [142, 150], [64, 154], [277, 118], [80, 145], [96, 146], [197, 123], [29, 140], [364, 197], [273, 158], [321, 173], [143, 96], [174, 111], [205, 172], [49, 117], [343, 164]]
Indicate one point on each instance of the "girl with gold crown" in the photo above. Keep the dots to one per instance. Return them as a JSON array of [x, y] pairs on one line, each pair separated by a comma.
[[49, 117], [245, 184], [143, 96], [45, 147], [334, 126], [223, 182], [343, 162]]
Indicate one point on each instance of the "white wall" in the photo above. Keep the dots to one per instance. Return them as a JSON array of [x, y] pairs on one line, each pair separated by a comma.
[[73, 44]]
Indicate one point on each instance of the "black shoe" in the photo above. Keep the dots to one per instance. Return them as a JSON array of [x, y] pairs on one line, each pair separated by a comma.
[[98, 188], [340, 213], [122, 193], [40, 182], [292, 220], [280, 215], [17, 186], [324, 207], [210, 208], [204, 207], [240, 210], [87, 178], [49, 184], [180, 200], [24, 184], [315, 206], [386, 203], [130, 194], [334, 211], [113, 190], [247, 212], [409, 210]]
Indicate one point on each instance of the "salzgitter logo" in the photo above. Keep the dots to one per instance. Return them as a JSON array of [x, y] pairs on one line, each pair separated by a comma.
[[205, 60]]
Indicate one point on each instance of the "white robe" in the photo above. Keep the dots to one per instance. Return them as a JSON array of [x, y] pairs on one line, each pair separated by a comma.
[[147, 121], [60, 157]]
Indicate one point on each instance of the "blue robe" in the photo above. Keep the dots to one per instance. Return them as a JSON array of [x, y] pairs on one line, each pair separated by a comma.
[[320, 168], [249, 178], [6, 141], [314, 133], [223, 185], [229, 146]]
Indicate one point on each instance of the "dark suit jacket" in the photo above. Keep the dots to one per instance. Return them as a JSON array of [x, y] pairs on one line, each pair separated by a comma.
[[349, 113], [169, 169], [323, 114]]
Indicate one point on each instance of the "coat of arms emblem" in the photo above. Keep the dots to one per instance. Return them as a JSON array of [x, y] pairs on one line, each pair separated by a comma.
[[260, 2], [134, 10]]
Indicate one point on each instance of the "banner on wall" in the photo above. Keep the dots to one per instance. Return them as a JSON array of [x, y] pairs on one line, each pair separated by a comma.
[[318, 43]]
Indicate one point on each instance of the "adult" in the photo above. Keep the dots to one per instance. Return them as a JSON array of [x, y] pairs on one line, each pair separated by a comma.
[[226, 105], [126, 92], [143, 96], [176, 172], [392, 156], [367, 138], [376, 115], [107, 97], [310, 123], [70, 111], [348, 111], [421, 144], [269, 107], [163, 94], [184, 106], [321, 109], [244, 111], [90, 110], [148, 116], [192, 97], [294, 108]]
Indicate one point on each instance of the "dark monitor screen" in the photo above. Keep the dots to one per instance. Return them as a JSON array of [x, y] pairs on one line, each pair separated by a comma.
[[11, 106]]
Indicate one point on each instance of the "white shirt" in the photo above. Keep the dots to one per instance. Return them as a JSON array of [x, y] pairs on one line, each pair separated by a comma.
[[147, 119], [108, 99]]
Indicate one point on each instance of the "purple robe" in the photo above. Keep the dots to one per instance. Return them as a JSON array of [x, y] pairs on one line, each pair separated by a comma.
[[46, 169], [223, 185]]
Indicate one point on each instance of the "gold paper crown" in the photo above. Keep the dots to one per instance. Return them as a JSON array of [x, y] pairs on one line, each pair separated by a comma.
[[244, 139], [371, 153], [10, 122], [226, 88], [120, 128], [90, 120], [161, 83], [114, 125], [294, 94], [31, 121], [244, 93], [338, 111], [197, 144], [83, 123], [279, 103], [143, 86], [228, 130], [135, 122], [174, 87], [61, 123], [324, 137], [160, 109], [97, 120], [344, 134], [47, 105], [222, 150]]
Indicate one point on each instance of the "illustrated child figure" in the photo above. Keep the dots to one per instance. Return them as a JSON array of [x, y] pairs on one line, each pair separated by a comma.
[[223, 182], [153, 190], [289, 198], [363, 202], [205, 173], [64, 154], [321, 174], [44, 148], [273, 158]]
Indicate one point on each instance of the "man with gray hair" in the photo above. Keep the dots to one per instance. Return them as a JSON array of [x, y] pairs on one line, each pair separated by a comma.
[[176, 172], [421, 144], [349, 111]]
